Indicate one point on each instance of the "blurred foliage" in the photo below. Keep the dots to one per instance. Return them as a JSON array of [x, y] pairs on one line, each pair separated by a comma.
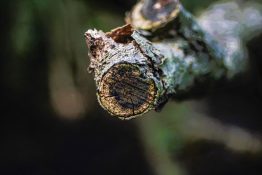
[[51, 122]]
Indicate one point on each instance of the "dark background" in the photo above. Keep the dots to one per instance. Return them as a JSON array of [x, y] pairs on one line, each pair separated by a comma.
[[51, 122]]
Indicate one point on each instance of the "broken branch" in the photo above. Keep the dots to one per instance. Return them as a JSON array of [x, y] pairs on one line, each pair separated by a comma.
[[137, 67]]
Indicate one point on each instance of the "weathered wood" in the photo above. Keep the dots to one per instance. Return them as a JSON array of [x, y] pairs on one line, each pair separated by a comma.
[[126, 78], [138, 67]]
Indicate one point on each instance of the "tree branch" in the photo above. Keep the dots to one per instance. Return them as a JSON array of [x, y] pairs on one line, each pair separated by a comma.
[[161, 52]]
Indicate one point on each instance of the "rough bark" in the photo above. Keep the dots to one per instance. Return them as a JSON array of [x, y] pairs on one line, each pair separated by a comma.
[[161, 52]]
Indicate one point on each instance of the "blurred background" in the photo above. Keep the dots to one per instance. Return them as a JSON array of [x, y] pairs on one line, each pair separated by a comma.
[[51, 122]]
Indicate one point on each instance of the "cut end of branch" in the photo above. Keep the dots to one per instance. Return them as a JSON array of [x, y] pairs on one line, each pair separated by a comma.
[[125, 93], [153, 14], [124, 65]]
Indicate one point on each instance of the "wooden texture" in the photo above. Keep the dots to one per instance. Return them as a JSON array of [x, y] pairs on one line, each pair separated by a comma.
[[163, 52]]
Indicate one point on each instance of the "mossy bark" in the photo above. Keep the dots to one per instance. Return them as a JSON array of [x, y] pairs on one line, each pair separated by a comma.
[[139, 66]]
